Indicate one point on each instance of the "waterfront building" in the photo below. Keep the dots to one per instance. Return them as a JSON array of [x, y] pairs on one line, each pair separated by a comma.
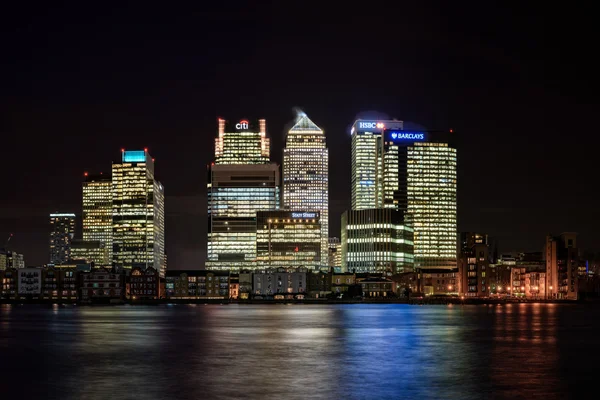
[[288, 239], [474, 265], [306, 175], [8, 278], [59, 284], [197, 284], [102, 285], [280, 282], [413, 172], [234, 286], [439, 281], [61, 234], [376, 241], [562, 266], [334, 257], [245, 281], [97, 220], [319, 283], [138, 213], [29, 283], [341, 282], [144, 283], [377, 287]]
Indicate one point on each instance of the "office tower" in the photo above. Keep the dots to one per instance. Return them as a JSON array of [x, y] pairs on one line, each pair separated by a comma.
[[335, 253], [413, 172], [61, 235], [10, 259], [367, 173], [474, 265], [138, 213], [288, 239], [90, 251], [376, 241], [306, 174], [235, 194], [241, 143], [562, 264], [240, 182], [97, 220]]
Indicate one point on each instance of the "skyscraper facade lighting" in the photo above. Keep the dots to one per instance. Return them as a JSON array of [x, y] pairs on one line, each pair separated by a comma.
[[61, 234], [97, 219], [138, 213], [306, 174]]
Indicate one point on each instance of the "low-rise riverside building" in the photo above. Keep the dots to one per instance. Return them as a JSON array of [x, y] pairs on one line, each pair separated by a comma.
[[60, 284], [280, 283], [439, 281], [8, 278], [377, 287], [197, 284], [102, 285], [144, 283], [340, 282], [319, 283]]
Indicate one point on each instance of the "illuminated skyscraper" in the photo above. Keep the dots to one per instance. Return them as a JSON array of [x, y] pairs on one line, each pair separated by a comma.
[[61, 235], [367, 166], [241, 182], [413, 172], [240, 143], [335, 252], [138, 213], [97, 219], [305, 175]]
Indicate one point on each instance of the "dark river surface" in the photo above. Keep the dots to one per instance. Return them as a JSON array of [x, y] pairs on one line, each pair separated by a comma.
[[299, 351]]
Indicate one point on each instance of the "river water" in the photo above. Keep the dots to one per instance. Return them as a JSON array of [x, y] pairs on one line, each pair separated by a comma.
[[387, 351]]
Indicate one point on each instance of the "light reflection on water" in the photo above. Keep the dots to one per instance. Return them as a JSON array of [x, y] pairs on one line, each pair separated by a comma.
[[295, 352]]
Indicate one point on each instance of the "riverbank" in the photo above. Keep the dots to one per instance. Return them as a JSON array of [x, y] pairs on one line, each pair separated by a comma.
[[412, 301]]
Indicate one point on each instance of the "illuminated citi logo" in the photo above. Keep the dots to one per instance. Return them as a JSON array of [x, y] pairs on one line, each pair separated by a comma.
[[243, 124]]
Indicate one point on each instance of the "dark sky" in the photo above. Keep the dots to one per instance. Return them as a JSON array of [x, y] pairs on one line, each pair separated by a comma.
[[79, 82]]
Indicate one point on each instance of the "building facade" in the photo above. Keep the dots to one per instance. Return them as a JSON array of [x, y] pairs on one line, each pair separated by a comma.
[[413, 172], [334, 256], [197, 284], [306, 175], [138, 213], [242, 143], [286, 282], [474, 265], [90, 251], [60, 284], [562, 266], [376, 241], [102, 285], [288, 239], [61, 234], [97, 219], [11, 259], [144, 284]]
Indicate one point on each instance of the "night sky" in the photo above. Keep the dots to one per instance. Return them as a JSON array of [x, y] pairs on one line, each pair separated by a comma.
[[78, 83]]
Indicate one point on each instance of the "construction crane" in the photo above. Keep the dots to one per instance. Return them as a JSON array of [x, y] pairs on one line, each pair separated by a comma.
[[7, 240]]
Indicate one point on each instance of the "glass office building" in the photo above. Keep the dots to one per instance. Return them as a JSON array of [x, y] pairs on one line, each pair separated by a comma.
[[306, 174], [376, 241], [242, 143], [61, 235], [288, 239], [97, 220], [138, 213]]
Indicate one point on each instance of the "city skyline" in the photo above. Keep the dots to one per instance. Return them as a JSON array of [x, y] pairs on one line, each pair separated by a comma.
[[171, 84]]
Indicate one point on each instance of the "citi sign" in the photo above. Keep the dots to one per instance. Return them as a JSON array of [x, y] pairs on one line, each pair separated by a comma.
[[370, 125], [243, 124], [410, 136]]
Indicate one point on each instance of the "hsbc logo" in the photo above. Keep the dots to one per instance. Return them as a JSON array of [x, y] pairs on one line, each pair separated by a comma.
[[370, 125], [243, 124]]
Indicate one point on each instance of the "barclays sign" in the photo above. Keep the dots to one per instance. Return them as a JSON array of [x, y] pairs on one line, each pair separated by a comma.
[[403, 135]]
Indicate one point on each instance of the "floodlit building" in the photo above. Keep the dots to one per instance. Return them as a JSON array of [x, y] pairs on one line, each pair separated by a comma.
[[414, 172], [280, 282], [97, 219], [61, 235], [241, 181], [138, 213], [91, 251], [306, 175], [242, 143], [376, 241], [288, 239]]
